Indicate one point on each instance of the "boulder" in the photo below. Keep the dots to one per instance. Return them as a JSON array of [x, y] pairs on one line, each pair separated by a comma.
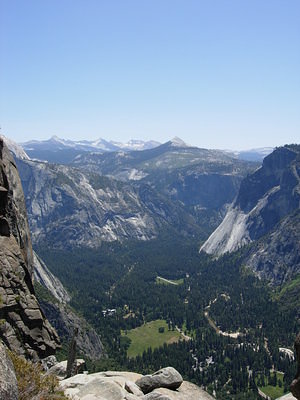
[[8, 381], [104, 388], [110, 385], [186, 391], [165, 377], [132, 388], [48, 362], [156, 396], [60, 369]]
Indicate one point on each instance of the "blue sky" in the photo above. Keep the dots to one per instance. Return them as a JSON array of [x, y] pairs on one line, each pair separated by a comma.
[[217, 73]]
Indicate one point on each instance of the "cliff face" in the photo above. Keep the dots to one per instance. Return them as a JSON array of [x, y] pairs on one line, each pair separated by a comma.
[[68, 208], [265, 212], [23, 327], [276, 256], [61, 316], [265, 198]]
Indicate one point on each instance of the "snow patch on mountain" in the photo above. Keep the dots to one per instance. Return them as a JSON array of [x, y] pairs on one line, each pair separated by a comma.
[[98, 145]]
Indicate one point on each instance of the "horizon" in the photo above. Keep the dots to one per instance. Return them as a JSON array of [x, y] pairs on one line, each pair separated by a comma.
[[222, 76], [55, 137]]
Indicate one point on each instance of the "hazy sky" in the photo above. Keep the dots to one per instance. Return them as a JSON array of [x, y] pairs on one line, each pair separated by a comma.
[[217, 73]]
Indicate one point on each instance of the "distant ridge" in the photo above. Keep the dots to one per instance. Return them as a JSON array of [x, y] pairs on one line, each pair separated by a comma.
[[101, 145]]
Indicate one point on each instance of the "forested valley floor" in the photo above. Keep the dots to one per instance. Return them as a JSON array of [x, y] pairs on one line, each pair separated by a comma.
[[228, 326]]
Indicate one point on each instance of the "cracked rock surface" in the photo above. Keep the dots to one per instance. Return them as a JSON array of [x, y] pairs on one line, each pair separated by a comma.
[[23, 327]]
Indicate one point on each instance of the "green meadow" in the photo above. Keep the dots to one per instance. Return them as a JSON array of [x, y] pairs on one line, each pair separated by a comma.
[[148, 335]]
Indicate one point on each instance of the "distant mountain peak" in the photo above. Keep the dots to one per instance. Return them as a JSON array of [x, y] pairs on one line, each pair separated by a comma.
[[177, 142], [55, 137]]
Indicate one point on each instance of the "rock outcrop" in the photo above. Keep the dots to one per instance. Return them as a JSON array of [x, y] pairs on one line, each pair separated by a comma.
[[49, 281], [276, 257], [167, 378], [54, 301], [266, 209], [113, 385], [23, 327], [64, 319], [60, 368], [8, 381]]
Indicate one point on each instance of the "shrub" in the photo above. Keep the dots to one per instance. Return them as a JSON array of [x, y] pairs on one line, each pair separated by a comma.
[[33, 383]]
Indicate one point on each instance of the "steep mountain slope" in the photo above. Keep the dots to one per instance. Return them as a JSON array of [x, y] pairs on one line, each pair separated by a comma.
[[203, 180], [23, 327], [276, 256], [266, 209], [53, 299], [68, 207]]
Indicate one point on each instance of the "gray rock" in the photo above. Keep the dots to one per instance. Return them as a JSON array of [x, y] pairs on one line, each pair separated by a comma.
[[156, 396], [60, 369], [96, 386], [63, 319], [131, 387], [105, 388], [48, 362], [165, 377], [8, 381], [48, 280], [186, 391], [129, 396], [24, 329]]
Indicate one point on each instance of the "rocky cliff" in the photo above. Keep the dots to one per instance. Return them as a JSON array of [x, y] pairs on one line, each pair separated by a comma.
[[54, 299], [23, 327], [276, 256], [68, 207], [264, 199]]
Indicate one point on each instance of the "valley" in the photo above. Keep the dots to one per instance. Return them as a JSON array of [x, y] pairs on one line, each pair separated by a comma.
[[129, 242]]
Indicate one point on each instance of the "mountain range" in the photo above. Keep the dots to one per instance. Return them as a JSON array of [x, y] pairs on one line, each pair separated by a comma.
[[130, 195], [64, 151]]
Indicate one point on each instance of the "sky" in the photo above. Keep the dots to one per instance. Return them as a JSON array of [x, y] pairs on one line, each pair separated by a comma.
[[216, 73]]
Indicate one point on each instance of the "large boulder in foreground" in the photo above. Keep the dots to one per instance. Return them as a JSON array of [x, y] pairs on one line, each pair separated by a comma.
[[164, 378], [114, 385], [8, 381]]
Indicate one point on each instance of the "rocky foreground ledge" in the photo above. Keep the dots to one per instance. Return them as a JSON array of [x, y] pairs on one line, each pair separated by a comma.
[[165, 384]]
